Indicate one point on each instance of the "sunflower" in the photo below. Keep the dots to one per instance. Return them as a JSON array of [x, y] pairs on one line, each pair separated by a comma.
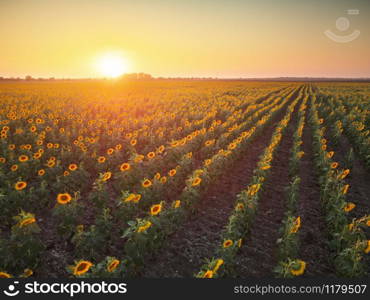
[[5, 275], [163, 179], [14, 168], [37, 155], [265, 167], [157, 176], [218, 264], [139, 158], [227, 243], [232, 146], [137, 198], [20, 185], [118, 147], [125, 167], [2, 160], [209, 143], [133, 142], [81, 267], [64, 198], [27, 221], [156, 209], [144, 227], [330, 154], [176, 204], [172, 172], [72, 167], [323, 147], [367, 249], [106, 176], [66, 173], [345, 189], [343, 174], [146, 183], [300, 154], [296, 225], [160, 149], [110, 151], [132, 198], [151, 155], [334, 165], [239, 206], [11, 147], [27, 273], [51, 163], [196, 181], [298, 267], [129, 198], [101, 159], [80, 228], [208, 274], [112, 265], [207, 162], [41, 172], [49, 145], [349, 206]]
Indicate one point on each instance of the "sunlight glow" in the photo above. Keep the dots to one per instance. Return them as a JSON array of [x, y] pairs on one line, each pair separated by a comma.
[[112, 65]]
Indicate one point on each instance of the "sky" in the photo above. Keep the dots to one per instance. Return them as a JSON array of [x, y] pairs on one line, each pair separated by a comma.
[[190, 38]]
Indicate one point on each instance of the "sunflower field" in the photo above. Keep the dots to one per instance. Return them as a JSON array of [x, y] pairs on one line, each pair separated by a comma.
[[184, 178]]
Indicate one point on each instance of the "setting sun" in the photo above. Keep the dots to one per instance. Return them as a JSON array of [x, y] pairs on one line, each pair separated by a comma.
[[112, 65]]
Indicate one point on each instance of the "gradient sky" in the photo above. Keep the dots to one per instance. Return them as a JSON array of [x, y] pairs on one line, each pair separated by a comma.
[[231, 38]]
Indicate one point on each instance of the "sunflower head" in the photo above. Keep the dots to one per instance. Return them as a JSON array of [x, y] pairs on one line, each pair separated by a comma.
[[172, 172], [349, 206], [20, 185], [106, 176], [196, 181], [81, 267], [156, 209], [112, 265], [297, 267], [146, 183], [5, 275], [227, 243], [72, 167], [64, 198], [125, 167], [208, 274]]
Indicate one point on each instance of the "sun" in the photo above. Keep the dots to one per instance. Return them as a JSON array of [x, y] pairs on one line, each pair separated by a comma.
[[112, 65]]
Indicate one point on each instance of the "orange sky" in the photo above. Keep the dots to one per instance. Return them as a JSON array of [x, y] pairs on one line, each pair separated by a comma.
[[234, 38]]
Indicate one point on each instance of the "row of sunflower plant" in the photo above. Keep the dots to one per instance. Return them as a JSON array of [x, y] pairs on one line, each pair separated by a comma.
[[347, 241], [289, 265], [245, 208]]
